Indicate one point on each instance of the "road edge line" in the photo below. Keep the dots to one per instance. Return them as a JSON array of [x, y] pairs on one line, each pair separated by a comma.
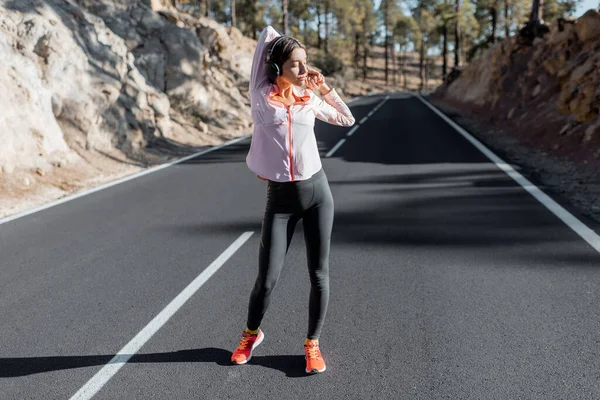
[[559, 211], [118, 181]]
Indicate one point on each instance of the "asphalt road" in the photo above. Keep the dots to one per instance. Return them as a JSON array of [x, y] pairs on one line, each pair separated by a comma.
[[448, 280]]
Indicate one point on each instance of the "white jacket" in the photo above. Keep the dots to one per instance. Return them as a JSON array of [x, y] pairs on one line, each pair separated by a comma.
[[284, 147]]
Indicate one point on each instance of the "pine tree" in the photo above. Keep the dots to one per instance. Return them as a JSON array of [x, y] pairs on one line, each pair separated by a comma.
[[389, 11], [284, 7], [405, 32]]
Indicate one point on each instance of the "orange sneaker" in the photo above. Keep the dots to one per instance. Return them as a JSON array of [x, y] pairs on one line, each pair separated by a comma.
[[243, 353], [314, 359]]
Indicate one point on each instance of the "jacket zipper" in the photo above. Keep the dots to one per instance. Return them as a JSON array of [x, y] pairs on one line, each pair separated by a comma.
[[289, 109]]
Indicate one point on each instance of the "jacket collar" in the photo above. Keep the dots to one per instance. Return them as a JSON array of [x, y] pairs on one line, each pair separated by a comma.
[[274, 91]]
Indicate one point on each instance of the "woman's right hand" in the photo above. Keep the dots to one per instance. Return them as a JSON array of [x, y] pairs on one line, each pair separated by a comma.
[[261, 178]]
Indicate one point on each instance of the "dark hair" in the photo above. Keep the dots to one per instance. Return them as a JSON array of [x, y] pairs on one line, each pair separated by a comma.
[[278, 52]]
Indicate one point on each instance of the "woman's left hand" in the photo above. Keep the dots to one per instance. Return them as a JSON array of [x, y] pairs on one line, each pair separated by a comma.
[[315, 79]]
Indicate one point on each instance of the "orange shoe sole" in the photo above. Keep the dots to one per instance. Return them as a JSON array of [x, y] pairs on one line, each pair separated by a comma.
[[314, 370]]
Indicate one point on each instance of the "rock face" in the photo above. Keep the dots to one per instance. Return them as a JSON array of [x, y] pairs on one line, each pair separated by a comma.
[[588, 26], [550, 90], [80, 76]]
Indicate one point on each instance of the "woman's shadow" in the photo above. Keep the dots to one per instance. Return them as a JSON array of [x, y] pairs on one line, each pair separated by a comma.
[[291, 365]]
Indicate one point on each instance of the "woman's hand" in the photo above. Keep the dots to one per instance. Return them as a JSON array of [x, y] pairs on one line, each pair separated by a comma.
[[316, 81]]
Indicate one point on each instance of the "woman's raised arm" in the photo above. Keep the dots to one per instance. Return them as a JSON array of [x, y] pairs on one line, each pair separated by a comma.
[[257, 75]]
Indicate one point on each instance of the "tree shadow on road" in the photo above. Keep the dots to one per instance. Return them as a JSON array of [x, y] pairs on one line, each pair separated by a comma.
[[461, 208], [291, 365]]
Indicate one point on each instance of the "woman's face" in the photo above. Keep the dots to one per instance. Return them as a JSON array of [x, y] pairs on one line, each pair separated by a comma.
[[295, 70]]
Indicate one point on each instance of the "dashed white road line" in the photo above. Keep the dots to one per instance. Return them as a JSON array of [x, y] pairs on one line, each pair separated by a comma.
[[571, 221], [335, 148], [118, 361], [362, 121], [354, 128]]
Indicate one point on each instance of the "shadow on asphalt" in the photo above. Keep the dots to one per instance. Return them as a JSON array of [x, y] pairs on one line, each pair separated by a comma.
[[467, 207], [291, 365], [419, 183], [445, 205]]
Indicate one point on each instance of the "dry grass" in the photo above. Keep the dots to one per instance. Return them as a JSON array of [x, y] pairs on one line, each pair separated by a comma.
[[352, 83]]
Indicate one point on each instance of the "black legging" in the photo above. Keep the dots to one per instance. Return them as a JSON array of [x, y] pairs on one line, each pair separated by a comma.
[[287, 203]]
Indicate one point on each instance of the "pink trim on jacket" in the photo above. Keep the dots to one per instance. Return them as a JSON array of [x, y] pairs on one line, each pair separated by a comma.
[[284, 147]]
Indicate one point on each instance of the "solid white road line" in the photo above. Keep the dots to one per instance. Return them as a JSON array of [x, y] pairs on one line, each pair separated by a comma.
[[362, 121], [119, 181], [577, 226], [118, 361]]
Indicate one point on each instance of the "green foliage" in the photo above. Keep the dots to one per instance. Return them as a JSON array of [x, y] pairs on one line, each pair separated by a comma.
[[353, 26], [554, 9], [328, 63], [390, 11], [406, 31], [468, 21]]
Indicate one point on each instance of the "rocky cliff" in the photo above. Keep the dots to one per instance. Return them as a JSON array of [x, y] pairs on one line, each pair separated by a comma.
[[547, 93], [88, 87]]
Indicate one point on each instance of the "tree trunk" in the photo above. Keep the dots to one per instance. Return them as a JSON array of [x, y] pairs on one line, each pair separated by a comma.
[[326, 41], [404, 66], [206, 8], [494, 17], [233, 19], [426, 72], [356, 49], [445, 50], [394, 65], [254, 23], [401, 60], [386, 22], [365, 49], [285, 17], [458, 35], [506, 19], [422, 60], [319, 40], [536, 11], [305, 27]]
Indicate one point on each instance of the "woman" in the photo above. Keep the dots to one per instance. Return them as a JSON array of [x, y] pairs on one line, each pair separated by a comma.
[[284, 153]]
